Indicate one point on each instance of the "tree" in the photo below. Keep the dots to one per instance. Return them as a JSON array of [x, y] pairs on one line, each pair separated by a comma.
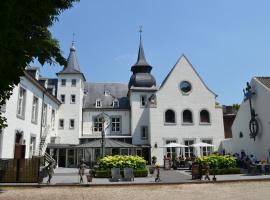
[[25, 36]]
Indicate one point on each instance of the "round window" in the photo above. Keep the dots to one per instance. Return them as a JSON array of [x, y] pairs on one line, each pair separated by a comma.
[[185, 86]]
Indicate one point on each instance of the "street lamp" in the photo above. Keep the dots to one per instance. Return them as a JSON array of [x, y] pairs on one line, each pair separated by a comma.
[[105, 120]]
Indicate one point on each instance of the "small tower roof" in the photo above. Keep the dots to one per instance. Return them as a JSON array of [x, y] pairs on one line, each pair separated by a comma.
[[72, 62], [141, 65], [141, 76], [72, 66]]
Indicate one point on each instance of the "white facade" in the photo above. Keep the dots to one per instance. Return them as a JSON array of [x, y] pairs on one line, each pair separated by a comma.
[[136, 112], [170, 97], [24, 123], [241, 140], [70, 109]]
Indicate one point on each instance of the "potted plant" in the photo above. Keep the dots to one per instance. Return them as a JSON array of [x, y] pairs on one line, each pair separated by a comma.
[[91, 174], [174, 161]]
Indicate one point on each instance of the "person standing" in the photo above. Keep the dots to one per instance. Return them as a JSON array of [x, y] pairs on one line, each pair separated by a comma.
[[157, 179], [50, 171], [82, 167], [207, 171]]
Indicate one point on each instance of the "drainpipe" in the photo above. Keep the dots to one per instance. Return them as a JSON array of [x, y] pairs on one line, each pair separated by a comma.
[[42, 106]]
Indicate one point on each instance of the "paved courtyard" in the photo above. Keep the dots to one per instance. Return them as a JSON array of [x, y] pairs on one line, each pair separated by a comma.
[[235, 191], [70, 176]]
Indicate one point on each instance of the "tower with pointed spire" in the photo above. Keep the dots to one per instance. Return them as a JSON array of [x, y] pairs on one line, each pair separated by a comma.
[[70, 92], [142, 87], [141, 76]]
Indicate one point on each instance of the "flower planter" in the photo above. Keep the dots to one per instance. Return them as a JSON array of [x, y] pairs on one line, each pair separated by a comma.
[[151, 170], [89, 178]]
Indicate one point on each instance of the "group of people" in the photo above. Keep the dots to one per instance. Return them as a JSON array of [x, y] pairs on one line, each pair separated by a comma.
[[245, 161], [49, 169]]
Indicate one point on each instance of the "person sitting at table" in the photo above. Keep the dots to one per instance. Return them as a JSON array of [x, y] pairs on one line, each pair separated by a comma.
[[253, 159]]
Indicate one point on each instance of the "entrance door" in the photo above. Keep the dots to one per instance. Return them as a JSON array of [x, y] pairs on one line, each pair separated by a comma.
[[146, 154], [62, 158]]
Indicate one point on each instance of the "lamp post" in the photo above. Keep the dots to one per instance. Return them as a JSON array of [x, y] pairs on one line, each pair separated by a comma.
[[105, 120]]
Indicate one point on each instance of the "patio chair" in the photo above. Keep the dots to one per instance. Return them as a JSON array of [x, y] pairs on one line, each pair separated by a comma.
[[116, 176], [253, 170], [128, 174]]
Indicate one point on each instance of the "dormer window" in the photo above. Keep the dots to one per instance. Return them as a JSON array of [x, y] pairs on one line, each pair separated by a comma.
[[143, 101], [98, 103], [107, 93], [115, 103]]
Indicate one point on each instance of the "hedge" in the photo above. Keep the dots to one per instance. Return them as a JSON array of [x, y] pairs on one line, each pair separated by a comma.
[[118, 161], [217, 161], [107, 173]]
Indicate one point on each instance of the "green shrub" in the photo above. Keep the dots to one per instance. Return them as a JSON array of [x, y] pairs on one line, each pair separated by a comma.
[[135, 162], [103, 173], [218, 161], [140, 172], [226, 171]]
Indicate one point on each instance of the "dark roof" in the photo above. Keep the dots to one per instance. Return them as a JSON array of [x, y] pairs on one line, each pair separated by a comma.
[[265, 81], [109, 143], [95, 91], [59, 146], [72, 66], [141, 76]]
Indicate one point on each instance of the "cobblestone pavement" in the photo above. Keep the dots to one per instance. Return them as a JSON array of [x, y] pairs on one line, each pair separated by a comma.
[[234, 191]]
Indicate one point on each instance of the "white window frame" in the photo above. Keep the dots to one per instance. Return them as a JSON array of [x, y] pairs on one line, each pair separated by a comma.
[[72, 127], [71, 99], [53, 119], [63, 82], [114, 124], [188, 151], [144, 132], [143, 101], [44, 115], [98, 103], [115, 103], [21, 104], [32, 145], [206, 150], [59, 125], [97, 124], [64, 98], [34, 116], [73, 81]]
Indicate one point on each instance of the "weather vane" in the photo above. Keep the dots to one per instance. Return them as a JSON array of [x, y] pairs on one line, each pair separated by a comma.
[[73, 38]]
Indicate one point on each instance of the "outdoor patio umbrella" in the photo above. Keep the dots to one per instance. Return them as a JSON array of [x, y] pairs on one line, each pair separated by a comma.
[[200, 145], [174, 145]]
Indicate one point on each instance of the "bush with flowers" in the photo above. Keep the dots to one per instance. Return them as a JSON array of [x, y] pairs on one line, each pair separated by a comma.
[[119, 161], [136, 162], [217, 161]]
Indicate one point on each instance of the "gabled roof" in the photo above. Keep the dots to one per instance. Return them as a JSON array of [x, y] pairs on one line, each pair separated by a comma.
[[107, 93], [264, 80], [109, 143], [184, 57]]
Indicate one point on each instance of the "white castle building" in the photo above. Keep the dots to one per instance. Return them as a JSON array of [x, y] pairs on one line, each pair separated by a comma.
[[62, 115]]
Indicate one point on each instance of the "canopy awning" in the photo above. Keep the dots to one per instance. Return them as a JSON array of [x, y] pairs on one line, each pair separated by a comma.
[[174, 145], [201, 144], [109, 143]]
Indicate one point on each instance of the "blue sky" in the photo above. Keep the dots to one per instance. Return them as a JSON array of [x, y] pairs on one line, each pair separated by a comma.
[[227, 41]]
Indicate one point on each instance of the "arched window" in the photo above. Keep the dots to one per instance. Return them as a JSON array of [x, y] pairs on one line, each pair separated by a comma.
[[169, 116], [204, 116], [187, 116]]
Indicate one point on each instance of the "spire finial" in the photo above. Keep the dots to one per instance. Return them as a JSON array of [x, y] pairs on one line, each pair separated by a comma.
[[140, 33], [73, 42]]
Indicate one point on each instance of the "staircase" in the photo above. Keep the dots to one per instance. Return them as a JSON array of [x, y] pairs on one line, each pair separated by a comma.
[[45, 137]]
